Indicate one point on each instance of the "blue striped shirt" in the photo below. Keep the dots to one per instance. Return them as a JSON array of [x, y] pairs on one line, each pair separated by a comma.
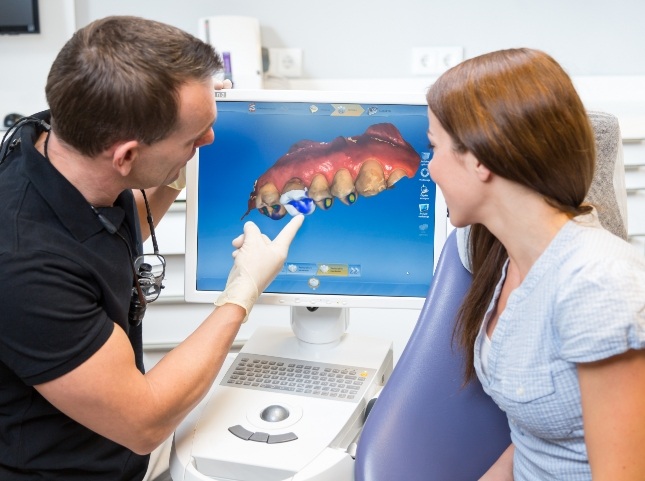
[[583, 300]]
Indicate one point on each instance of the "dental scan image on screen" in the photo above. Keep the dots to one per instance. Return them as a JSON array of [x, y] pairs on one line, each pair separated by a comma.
[[313, 173], [357, 170]]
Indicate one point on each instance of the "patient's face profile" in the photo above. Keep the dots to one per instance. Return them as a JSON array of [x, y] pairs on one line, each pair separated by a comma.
[[454, 173]]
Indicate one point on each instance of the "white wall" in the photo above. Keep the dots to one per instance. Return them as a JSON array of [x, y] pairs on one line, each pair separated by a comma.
[[373, 38], [25, 59], [359, 38]]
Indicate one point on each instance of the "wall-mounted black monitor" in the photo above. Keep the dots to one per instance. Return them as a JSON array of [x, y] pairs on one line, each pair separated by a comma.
[[19, 16]]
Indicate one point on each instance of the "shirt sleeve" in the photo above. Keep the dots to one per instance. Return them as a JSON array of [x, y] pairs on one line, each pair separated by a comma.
[[601, 310], [54, 318]]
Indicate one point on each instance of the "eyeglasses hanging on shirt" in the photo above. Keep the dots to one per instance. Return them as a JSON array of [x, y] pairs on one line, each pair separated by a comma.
[[148, 270]]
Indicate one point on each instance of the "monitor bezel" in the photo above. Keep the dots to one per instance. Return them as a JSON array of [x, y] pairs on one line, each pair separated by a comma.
[[191, 293], [19, 29]]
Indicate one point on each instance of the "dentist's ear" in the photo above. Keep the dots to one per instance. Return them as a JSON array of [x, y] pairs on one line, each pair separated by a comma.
[[123, 154]]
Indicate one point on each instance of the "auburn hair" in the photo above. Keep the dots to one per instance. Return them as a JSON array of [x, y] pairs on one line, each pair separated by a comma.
[[519, 114]]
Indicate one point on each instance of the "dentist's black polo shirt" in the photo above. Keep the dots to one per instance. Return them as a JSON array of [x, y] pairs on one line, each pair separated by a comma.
[[64, 282]]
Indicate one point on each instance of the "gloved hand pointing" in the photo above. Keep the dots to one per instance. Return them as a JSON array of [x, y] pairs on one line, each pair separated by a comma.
[[257, 261]]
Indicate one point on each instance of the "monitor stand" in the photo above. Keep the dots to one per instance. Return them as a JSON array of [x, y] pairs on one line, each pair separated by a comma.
[[326, 430], [322, 326]]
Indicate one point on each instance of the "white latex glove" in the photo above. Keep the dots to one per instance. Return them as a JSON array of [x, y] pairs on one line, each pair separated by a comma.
[[257, 261], [223, 84], [180, 183]]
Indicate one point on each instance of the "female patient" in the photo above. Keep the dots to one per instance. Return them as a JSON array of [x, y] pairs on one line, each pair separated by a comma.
[[554, 322]]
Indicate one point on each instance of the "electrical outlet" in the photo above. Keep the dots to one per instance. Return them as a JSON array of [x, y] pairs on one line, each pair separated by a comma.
[[285, 62], [435, 60]]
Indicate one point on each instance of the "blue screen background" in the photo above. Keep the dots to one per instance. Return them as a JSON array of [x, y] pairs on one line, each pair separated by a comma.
[[386, 240]]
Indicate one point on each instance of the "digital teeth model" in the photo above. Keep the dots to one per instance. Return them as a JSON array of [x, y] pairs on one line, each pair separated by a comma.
[[312, 173]]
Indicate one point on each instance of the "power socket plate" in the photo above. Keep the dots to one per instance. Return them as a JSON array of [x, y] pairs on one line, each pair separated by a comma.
[[435, 60], [285, 62]]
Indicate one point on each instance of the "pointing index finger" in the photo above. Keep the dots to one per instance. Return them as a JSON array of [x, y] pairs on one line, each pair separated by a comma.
[[289, 231]]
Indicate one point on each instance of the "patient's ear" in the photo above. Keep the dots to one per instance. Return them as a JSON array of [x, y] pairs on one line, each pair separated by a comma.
[[481, 171]]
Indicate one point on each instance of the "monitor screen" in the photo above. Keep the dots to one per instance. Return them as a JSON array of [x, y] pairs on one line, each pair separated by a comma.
[[19, 16], [355, 163]]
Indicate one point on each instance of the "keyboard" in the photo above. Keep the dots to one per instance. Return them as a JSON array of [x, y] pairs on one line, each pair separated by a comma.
[[297, 377]]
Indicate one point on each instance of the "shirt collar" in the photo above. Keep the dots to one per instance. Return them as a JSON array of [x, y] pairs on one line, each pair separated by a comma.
[[64, 199]]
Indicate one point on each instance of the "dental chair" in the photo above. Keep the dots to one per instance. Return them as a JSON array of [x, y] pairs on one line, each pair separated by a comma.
[[426, 424]]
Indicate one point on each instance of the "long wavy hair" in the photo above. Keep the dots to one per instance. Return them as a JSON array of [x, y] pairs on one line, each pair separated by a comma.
[[518, 113]]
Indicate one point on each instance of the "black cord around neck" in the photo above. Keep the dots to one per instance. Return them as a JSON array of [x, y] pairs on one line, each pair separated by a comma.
[[8, 145]]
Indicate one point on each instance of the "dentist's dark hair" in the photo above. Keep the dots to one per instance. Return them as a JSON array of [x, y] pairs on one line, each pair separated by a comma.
[[118, 79]]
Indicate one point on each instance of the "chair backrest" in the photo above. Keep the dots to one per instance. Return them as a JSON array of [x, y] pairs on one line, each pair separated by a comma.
[[426, 425], [607, 191]]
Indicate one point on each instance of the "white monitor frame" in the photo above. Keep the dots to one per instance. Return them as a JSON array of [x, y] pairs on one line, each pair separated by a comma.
[[441, 230]]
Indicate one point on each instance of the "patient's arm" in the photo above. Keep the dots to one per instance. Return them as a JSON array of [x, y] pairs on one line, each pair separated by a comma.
[[613, 396], [502, 470]]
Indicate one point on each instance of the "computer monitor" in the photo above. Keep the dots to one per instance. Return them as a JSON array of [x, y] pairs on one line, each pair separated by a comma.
[[19, 16], [371, 239]]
